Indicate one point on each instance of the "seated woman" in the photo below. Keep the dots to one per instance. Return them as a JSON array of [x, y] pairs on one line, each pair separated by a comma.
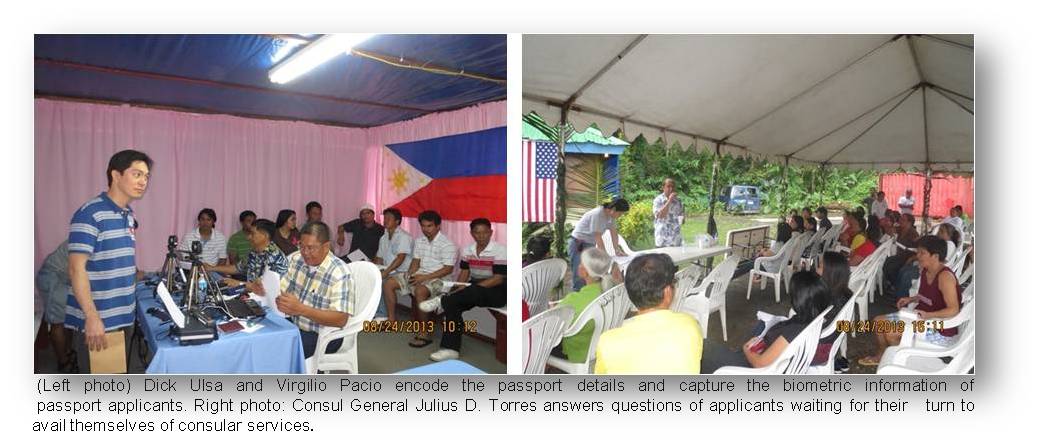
[[287, 237], [263, 255], [797, 224], [834, 269], [783, 235], [810, 296], [595, 271], [865, 243], [939, 297], [850, 226], [952, 235], [214, 244]]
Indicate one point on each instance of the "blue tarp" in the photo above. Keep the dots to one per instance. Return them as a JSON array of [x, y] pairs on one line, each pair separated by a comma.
[[228, 74]]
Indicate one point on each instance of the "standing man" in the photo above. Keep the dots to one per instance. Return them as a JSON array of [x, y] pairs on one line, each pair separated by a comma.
[[668, 216], [313, 210], [364, 233], [53, 282], [102, 264], [906, 203], [238, 245], [879, 206], [316, 288]]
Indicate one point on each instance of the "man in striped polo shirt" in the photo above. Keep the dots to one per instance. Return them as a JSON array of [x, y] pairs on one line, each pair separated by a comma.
[[102, 266]]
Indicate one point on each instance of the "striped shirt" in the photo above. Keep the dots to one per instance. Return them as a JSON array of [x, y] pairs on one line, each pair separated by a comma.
[[213, 250], [105, 232], [326, 287], [257, 262], [391, 247], [434, 254], [492, 261]]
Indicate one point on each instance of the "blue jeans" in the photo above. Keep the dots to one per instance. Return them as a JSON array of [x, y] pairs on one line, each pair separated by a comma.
[[576, 247], [310, 343]]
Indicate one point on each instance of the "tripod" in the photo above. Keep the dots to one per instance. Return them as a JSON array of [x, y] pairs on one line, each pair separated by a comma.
[[169, 268], [198, 273]]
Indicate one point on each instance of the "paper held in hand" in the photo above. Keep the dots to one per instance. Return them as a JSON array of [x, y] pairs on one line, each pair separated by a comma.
[[272, 288], [111, 360]]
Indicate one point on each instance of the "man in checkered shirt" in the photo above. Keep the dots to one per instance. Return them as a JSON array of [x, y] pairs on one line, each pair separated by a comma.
[[316, 289]]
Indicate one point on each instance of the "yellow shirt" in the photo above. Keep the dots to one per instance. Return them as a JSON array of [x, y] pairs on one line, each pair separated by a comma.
[[660, 342]]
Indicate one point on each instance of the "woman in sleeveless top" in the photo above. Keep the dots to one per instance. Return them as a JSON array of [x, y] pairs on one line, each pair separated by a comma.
[[938, 298]]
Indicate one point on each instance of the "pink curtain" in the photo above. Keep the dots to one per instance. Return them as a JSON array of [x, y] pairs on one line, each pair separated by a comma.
[[227, 163]]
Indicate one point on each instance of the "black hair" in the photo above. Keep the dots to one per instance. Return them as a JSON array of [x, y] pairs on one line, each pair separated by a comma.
[[266, 226], [812, 222], [959, 208], [618, 204], [807, 209], [836, 275], [123, 159], [933, 245], [283, 216], [873, 231], [783, 232], [880, 193], [208, 211], [479, 221], [646, 277], [396, 213], [311, 205], [244, 214], [537, 248], [430, 216], [953, 232], [911, 218], [821, 210], [810, 296], [860, 212], [799, 223], [318, 229]]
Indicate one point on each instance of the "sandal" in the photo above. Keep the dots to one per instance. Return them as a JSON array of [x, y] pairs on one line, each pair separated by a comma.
[[868, 361], [418, 342]]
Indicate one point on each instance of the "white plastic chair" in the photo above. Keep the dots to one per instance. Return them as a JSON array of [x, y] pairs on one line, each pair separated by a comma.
[[796, 357], [912, 360], [814, 247], [609, 244], [709, 296], [845, 314], [539, 279], [606, 312], [541, 333], [967, 274], [367, 285], [911, 338], [783, 258]]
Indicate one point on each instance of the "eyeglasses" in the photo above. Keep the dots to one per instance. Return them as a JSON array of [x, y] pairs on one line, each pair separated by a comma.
[[311, 249]]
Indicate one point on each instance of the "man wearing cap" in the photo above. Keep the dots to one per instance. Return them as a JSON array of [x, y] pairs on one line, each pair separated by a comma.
[[364, 233]]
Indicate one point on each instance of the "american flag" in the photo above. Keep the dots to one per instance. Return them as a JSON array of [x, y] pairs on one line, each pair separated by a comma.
[[539, 181]]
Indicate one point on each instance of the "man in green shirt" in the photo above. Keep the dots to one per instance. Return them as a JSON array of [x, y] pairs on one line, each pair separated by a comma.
[[238, 246], [595, 271]]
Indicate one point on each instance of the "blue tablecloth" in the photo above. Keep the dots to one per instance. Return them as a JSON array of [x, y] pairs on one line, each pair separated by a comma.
[[275, 348], [444, 367]]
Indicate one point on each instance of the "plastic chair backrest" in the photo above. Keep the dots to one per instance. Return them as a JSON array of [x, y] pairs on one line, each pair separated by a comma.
[[798, 355], [544, 332], [607, 311], [368, 286], [539, 279], [795, 255], [609, 244], [720, 283]]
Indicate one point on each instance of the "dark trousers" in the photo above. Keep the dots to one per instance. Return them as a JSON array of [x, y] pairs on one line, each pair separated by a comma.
[[717, 355], [310, 343], [457, 303]]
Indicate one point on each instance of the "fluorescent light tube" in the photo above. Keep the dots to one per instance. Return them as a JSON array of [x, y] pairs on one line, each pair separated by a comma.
[[314, 55]]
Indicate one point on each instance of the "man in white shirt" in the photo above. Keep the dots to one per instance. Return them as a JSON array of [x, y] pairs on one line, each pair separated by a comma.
[[879, 206], [906, 203], [395, 252], [955, 218], [433, 259]]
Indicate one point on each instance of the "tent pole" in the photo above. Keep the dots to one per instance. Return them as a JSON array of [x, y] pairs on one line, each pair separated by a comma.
[[561, 185], [713, 229], [927, 198], [783, 195]]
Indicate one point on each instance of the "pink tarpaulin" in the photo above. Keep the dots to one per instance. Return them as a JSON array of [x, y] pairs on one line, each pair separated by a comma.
[[947, 191], [227, 163]]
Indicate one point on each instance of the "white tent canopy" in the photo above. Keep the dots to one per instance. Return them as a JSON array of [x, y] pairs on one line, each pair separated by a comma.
[[858, 101]]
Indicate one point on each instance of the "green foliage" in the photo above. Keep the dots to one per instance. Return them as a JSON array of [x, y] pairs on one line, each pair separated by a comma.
[[645, 165], [637, 224], [590, 186]]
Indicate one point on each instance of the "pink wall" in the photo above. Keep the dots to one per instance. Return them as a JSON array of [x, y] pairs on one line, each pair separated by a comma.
[[227, 163]]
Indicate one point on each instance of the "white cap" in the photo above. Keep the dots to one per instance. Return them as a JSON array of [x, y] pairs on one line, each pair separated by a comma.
[[367, 206]]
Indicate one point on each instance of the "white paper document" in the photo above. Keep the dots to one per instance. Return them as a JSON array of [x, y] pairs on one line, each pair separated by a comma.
[[171, 307], [272, 285], [357, 255]]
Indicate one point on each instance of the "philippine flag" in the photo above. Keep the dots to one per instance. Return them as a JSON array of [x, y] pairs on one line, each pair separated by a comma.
[[461, 176]]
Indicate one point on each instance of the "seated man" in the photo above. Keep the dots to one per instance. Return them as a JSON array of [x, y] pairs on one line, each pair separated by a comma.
[[483, 265], [214, 244], [395, 252], [956, 218], [238, 244], [264, 255], [656, 340], [315, 291], [364, 232], [53, 282], [433, 260]]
